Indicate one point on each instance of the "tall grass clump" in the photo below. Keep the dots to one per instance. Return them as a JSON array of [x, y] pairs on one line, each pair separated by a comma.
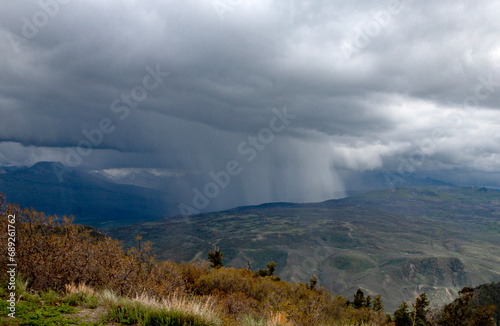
[[81, 294], [174, 311]]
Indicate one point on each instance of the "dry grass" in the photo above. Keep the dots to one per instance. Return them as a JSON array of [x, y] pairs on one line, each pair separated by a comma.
[[202, 308], [279, 319], [80, 288], [197, 306], [108, 297]]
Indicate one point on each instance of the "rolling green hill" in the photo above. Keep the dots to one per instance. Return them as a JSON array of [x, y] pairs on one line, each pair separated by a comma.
[[397, 242]]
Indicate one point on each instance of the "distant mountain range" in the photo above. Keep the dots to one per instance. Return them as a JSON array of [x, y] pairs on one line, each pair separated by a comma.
[[356, 182], [103, 200], [93, 200], [396, 242]]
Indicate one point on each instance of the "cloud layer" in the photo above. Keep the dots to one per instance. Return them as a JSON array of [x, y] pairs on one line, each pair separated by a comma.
[[385, 85]]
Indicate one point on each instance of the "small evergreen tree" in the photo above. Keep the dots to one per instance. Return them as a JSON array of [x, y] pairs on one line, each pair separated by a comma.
[[368, 302], [215, 258], [271, 267], [402, 315], [420, 310], [312, 282], [359, 299], [377, 303]]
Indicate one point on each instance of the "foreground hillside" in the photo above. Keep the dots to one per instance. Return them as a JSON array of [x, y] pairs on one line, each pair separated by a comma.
[[52, 255], [67, 274], [397, 242]]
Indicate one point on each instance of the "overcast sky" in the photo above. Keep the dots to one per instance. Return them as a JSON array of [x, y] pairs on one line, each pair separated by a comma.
[[357, 85]]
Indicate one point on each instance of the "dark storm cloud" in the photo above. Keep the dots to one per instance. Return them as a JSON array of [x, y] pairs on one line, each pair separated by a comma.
[[415, 66]]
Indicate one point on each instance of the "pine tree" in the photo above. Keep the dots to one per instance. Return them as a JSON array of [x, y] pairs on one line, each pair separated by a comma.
[[420, 310], [368, 302], [359, 299], [402, 315], [271, 267], [215, 258], [312, 282], [377, 303]]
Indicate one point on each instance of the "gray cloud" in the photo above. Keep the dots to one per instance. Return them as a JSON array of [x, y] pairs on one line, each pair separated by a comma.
[[402, 93]]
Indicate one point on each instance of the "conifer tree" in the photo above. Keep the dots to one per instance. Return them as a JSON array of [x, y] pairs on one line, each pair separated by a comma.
[[359, 299], [271, 267], [420, 310], [377, 303], [368, 302], [312, 283], [402, 315], [215, 258]]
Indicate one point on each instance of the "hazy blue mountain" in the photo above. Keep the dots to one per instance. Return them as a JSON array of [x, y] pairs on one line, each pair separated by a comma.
[[90, 198], [373, 180], [179, 187]]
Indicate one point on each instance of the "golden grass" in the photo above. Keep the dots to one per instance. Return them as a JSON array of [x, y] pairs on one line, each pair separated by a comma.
[[108, 297], [196, 306], [279, 319], [80, 288]]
